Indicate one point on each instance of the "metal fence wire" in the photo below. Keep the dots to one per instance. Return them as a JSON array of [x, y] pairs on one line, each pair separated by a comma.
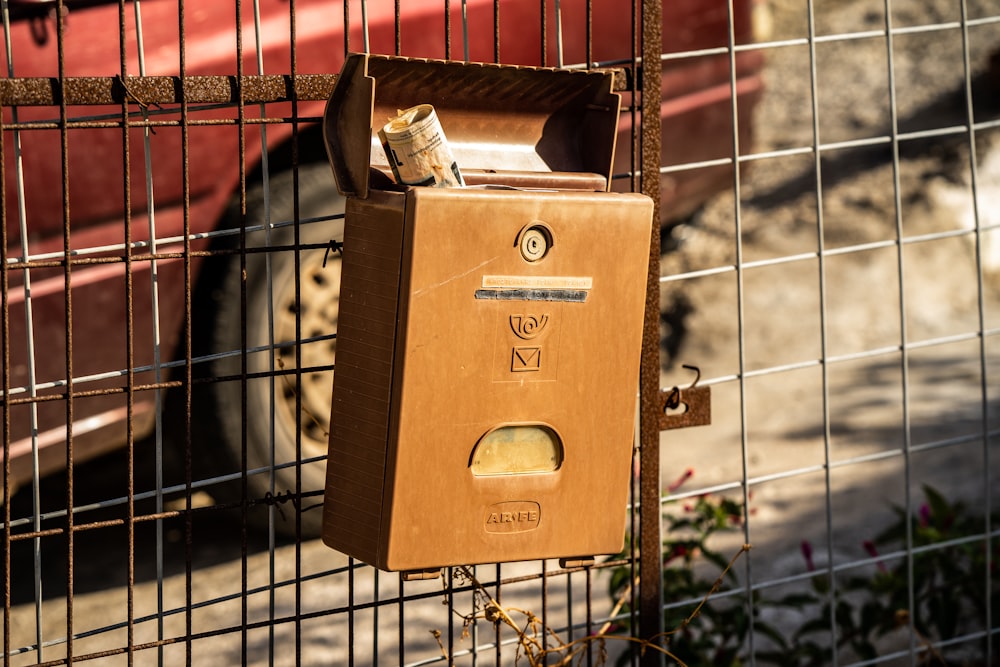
[[825, 276]]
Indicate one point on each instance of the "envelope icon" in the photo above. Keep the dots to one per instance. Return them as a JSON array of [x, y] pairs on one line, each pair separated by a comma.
[[526, 359]]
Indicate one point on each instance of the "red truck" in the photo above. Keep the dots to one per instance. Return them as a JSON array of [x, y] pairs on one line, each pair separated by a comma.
[[122, 211]]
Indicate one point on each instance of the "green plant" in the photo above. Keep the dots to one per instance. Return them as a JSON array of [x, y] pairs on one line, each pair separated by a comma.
[[948, 595], [950, 561], [700, 632], [948, 582], [948, 598]]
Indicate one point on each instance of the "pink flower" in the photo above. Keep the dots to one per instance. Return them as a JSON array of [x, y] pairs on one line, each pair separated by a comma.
[[925, 515], [688, 474], [677, 551], [807, 554], [873, 552]]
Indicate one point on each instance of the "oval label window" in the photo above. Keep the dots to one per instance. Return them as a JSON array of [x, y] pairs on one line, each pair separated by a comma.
[[517, 450]]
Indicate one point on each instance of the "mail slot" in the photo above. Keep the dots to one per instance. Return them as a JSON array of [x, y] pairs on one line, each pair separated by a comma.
[[489, 335]]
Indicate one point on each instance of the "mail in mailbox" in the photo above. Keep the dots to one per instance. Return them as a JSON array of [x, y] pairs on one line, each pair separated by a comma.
[[489, 336]]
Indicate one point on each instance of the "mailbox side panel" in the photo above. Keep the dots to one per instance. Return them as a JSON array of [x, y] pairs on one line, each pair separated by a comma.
[[495, 341], [360, 414]]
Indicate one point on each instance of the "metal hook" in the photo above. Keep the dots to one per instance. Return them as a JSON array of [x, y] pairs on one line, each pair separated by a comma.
[[697, 374], [696, 401], [673, 399], [276, 500], [336, 246]]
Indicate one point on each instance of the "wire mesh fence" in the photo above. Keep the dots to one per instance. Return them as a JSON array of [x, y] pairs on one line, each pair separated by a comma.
[[825, 175], [849, 309]]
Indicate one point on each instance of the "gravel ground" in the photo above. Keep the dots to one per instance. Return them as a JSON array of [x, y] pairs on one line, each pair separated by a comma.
[[848, 306], [861, 211], [779, 427]]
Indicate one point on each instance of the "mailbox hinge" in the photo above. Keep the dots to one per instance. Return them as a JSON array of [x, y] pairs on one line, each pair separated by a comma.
[[420, 575]]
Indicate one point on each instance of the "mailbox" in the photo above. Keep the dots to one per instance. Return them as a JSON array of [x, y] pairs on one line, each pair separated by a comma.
[[488, 340]]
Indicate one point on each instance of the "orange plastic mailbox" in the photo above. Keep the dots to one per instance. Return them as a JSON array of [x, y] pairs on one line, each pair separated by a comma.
[[488, 339]]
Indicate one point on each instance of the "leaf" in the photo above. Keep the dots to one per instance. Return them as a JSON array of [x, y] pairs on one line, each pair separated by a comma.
[[865, 649], [871, 613], [772, 633], [797, 600], [813, 625], [781, 657], [896, 532], [620, 578], [845, 617], [944, 613], [940, 508], [815, 652]]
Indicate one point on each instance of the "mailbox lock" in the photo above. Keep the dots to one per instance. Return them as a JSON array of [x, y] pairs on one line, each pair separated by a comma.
[[534, 242]]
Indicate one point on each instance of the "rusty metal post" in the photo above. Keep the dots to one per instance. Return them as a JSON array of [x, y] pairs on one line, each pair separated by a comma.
[[650, 578]]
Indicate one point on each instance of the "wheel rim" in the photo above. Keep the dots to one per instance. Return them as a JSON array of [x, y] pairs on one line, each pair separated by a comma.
[[316, 310]]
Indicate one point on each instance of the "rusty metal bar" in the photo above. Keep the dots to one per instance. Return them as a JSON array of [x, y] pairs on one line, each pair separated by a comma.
[[650, 578], [545, 33], [68, 313], [447, 29], [244, 398], [347, 28], [187, 347], [130, 518], [590, 32], [397, 25], [159, 90], [297, 275], [5, 387], [496, 30], [146, 91]]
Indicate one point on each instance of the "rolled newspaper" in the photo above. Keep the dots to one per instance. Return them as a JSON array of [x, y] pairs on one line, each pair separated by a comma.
[[418, 151]]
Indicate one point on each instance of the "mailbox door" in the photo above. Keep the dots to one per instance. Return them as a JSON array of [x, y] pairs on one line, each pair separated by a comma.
[[519, 329]]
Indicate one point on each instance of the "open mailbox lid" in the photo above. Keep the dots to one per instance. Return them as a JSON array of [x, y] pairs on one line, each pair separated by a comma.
[[520, 126]]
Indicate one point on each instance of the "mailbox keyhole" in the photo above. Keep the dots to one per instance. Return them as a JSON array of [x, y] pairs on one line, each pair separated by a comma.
[[534, 243]]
